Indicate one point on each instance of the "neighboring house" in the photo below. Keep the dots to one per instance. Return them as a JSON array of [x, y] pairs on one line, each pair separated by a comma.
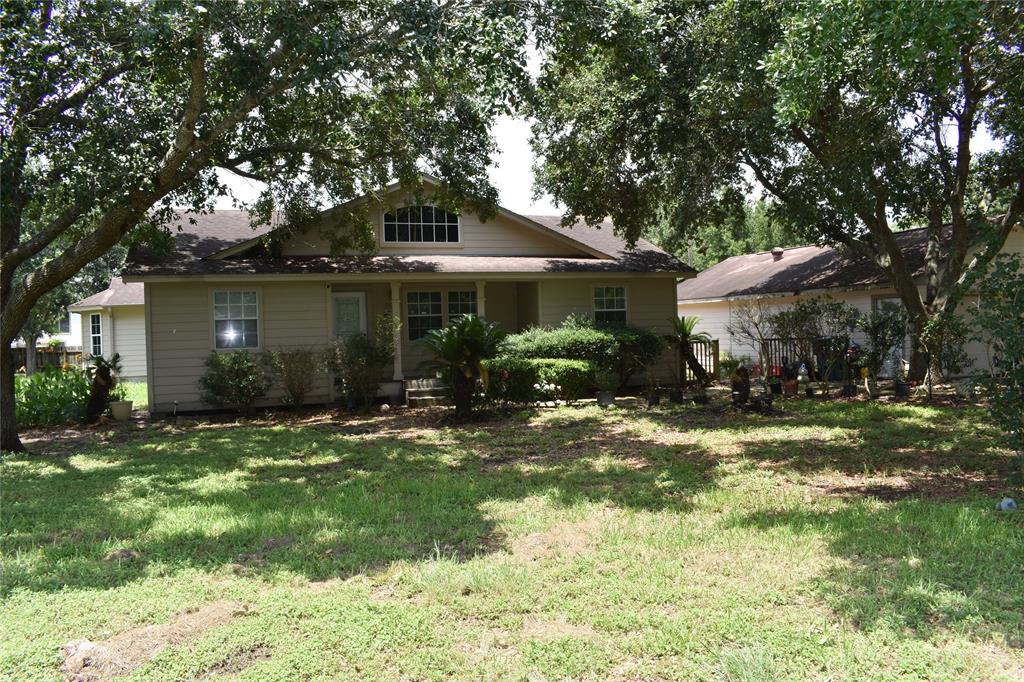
[[69, 334], [224, 289], [781, 276], [114, 321]]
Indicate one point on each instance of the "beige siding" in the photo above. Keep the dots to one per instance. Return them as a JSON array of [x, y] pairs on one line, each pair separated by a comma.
[[291, 315], [650, 304], [129, 341], [500, 235]]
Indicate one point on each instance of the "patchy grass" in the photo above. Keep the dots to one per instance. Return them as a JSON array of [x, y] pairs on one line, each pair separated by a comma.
[[836, 541]]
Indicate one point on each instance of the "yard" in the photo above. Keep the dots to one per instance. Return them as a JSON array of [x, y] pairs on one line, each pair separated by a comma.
[[839, 540]]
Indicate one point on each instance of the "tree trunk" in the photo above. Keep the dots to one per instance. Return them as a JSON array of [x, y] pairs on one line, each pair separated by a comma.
[[9, 440], [463, 390], [698, 370], [31, 356]]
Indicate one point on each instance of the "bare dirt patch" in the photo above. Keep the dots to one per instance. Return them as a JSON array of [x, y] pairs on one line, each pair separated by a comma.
[[563, 540], [557, 628], [126, 651], [237, 661]]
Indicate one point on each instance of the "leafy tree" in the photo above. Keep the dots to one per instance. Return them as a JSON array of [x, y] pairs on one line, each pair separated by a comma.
[[460, 350], [1000, 317], [749, 229], [52, 307], [821, 324], [884, 331], [114, 111], [857, 117]]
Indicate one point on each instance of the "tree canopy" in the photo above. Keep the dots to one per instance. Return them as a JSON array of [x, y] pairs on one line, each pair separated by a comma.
[[112, 112], [857, 117]]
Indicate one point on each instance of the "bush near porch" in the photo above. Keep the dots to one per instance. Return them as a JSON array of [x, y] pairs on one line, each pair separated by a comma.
[[841, 540]]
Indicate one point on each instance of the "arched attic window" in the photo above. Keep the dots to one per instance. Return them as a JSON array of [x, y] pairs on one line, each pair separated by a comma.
[[420, 225]]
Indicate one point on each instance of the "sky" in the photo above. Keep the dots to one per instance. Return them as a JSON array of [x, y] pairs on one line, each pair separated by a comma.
[[512, 173]]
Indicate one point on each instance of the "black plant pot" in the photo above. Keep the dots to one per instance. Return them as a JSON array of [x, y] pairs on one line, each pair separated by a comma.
[[653, 400], [848, 390], [776, 389], [902, 389], [675, 397], [809, 392], [700, 400]]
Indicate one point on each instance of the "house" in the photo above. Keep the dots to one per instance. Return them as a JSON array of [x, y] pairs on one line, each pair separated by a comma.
[[68, 334], [781, 276], [230, 286], [114, 321]]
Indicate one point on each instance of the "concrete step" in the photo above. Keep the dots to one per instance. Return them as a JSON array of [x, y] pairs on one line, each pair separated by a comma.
[[416, 384], [440, 392], [425, 401]]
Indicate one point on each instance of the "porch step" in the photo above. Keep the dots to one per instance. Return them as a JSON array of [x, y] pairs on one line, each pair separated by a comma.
[[416, 384], [426, 400], [424, 392]]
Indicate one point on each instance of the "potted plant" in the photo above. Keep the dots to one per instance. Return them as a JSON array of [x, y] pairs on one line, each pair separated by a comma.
[[740, 382], [607, 383], [900, 385], [120, 408], [775, 384], [790, 379]]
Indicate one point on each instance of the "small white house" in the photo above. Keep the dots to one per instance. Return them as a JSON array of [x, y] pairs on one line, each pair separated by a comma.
[[778, 278], [69, 334], [114, 321]]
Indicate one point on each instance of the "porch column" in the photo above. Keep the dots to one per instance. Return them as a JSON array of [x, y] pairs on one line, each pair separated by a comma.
[[396, 310], [481, 300]]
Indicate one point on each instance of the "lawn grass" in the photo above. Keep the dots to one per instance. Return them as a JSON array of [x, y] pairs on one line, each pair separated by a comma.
[[137, 392], [837, 541]]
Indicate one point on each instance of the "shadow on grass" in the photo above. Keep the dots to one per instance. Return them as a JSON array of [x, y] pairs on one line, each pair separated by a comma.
[[317, 502], [915, 566]]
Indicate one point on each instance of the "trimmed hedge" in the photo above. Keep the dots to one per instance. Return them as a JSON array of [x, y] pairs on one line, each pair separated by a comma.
[[622, 350], [520, 380]]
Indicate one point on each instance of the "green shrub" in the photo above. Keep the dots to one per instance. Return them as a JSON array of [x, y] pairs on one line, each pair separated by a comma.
[[520, 380], [623, 350], [574, 378], [51, 395], [296, 369], [999, 319], [359, 362], [511, 380], [236, 379], [566, 342]]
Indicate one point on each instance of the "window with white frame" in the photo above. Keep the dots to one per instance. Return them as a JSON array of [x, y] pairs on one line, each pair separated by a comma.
[[64, 325], [461, 303], [235, 319], [423, 313], [420, 225], [95, 335], [610, 305]]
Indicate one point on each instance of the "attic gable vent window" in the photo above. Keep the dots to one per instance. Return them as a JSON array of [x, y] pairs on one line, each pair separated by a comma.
[[421, 225]]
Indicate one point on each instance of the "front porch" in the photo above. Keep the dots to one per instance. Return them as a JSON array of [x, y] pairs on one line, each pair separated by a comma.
[[422, 306]]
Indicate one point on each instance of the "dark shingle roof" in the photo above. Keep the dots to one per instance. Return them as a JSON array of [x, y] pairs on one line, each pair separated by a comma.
[[801, 268], [118, 293], [197, 237]]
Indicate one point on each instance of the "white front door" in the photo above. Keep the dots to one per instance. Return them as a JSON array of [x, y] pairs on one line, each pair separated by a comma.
[[349, 311]]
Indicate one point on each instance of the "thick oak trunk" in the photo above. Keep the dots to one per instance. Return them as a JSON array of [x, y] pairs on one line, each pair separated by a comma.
[[9, 440], [31, 355]]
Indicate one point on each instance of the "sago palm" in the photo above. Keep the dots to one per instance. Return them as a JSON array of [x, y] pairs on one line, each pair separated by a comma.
[[460, 350], [683, 337]]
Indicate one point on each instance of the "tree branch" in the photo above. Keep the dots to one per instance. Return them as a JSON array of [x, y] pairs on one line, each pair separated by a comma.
[[39, 241]]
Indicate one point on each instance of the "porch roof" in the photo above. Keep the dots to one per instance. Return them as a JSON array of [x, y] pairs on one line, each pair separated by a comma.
[[636, 261]]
